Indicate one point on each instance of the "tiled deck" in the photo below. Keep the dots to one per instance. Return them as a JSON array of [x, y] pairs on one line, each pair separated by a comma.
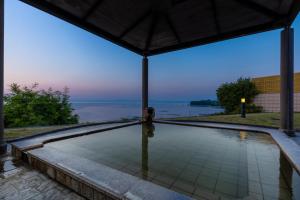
[[21, 183]]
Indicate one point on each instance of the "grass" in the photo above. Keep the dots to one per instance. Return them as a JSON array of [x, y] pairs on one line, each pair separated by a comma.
[[262, 119], [12, 133]]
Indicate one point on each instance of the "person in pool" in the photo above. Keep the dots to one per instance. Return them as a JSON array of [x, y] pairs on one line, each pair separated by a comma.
[[149, 114]]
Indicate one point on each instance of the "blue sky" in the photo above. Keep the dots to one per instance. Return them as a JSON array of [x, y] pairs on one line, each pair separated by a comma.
[[44, 49]]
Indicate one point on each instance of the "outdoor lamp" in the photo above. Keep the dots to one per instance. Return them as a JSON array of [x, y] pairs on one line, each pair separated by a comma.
[[243, 100], [243, 107]]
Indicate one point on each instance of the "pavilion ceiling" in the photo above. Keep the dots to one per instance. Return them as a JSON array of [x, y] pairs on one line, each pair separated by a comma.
[[150, 27]]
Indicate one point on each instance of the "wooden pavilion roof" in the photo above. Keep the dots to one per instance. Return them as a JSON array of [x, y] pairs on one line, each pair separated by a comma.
[[150, 27]]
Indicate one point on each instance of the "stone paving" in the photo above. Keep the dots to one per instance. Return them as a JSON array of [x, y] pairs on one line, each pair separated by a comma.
[[19, 182]]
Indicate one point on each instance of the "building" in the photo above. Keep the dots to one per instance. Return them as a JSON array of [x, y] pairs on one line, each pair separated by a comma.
[[269, 97]]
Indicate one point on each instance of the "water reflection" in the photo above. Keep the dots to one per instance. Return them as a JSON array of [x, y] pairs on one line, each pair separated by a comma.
[[147, 132], [243, 135], [6, 165]]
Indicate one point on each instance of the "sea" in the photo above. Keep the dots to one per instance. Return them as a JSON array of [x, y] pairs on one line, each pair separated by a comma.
[[104, 110]]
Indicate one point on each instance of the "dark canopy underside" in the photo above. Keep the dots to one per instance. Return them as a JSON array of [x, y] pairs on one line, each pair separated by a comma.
[[150, 27]]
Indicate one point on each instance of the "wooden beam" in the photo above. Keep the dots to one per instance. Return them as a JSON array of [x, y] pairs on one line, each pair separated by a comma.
[[151, 33], [293, 12], [280, 4], [217, 38], [92, 9], [135, 24], [172, 27], [259, 8], [175, 2], [215, 15], [77, 21]]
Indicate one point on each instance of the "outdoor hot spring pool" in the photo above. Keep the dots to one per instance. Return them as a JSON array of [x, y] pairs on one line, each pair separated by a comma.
[[198, 162]]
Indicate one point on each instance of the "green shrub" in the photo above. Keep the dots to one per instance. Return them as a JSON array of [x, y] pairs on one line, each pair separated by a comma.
[[29, 106], [230, 94]]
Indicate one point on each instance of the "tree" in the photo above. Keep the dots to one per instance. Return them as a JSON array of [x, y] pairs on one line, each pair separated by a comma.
[[29, 106], [230, 94]]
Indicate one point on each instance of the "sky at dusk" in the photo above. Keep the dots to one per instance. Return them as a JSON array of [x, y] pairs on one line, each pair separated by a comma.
[[44, 49]]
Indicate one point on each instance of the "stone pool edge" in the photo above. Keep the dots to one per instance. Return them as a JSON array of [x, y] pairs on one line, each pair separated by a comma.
[[289, 147], [95, 181]]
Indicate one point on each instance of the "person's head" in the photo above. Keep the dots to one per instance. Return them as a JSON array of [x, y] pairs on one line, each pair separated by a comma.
[[149, 114], [151, 111]]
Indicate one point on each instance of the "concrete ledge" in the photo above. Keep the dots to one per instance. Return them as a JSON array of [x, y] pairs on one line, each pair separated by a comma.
[[93, 180], [288, 146]]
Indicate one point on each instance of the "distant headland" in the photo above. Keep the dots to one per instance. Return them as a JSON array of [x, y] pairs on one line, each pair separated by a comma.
[[207, 102]]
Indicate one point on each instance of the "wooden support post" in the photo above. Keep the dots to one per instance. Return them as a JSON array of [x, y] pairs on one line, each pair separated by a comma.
[[287, 81], [145, 85], [2, 141]]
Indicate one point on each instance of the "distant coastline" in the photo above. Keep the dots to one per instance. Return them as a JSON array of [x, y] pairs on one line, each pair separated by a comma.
[[104, 110], [207, 102]]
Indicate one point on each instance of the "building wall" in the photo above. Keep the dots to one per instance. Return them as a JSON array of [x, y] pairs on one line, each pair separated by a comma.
[[271, 102], [271, 84], [269, 97]]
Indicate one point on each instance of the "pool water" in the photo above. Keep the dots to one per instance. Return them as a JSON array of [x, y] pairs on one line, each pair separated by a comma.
[[199, 162]]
